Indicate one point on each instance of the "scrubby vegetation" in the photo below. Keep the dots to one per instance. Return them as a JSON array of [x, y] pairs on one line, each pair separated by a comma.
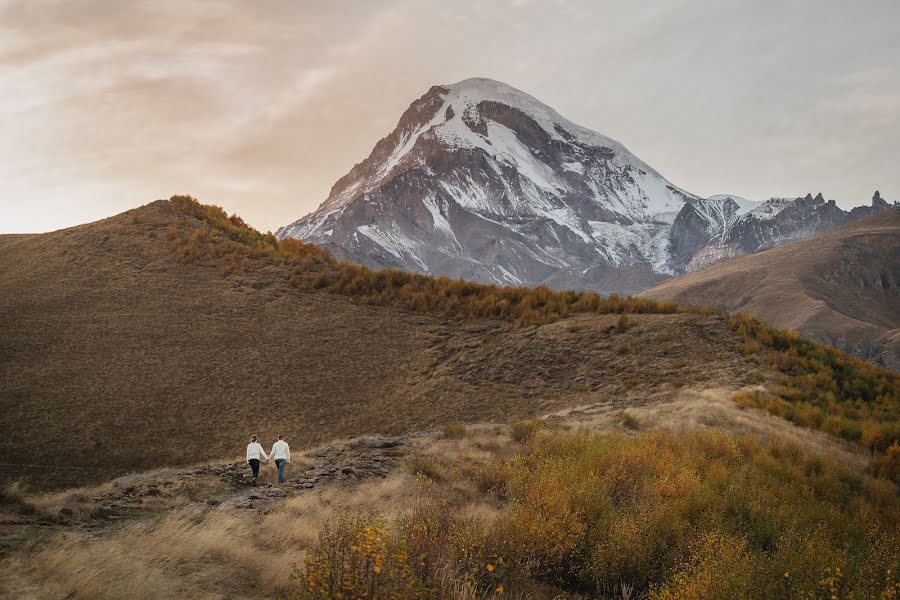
[[455, 431], [700, 515], [430, 554], [229, 243], [524, 431], [822, 388], [423, 466]]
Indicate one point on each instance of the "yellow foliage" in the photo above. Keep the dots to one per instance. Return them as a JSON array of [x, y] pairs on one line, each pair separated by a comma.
[[822, 388], [690, 516]]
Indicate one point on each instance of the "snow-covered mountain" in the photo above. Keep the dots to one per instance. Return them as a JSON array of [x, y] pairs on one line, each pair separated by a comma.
[[482, 181], [709, 230], [479, 180]]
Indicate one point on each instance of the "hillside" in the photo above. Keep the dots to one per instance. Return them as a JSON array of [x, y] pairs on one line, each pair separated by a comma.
[[123, 351], [841, 287], [163, 336]]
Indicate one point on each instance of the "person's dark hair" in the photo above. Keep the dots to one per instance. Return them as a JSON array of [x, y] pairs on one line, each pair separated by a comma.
[[252, 438], [280, 437]]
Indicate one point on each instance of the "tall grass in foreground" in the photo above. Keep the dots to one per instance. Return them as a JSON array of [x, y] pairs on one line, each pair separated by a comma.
[[699, 515]]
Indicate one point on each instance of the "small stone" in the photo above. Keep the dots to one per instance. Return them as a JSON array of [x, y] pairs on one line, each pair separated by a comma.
[[379, 442]]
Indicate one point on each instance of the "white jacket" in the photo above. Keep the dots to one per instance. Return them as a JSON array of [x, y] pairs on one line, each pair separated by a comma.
[[255, 450], [280, 449]]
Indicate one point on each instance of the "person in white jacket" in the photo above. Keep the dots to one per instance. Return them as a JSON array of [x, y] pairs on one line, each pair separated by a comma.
[[254, 453], [281, 452]]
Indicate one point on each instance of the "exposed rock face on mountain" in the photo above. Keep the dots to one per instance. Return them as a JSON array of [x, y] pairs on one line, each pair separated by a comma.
[[709, 230], [480, 180], [702, 221], [841, 287]]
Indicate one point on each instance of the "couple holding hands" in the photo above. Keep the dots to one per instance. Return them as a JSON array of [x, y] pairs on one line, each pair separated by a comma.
[[281, 453]]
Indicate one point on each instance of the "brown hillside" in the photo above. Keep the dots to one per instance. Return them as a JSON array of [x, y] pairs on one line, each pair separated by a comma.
[[117, 357], [841, 287]]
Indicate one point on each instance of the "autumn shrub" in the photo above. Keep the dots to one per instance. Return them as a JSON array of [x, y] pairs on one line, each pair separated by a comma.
[[823, 388], [523, 431], [359, 558], [700, 515], [694, 515], [887, 465], [455, 431], [430, 554], [424, 466]]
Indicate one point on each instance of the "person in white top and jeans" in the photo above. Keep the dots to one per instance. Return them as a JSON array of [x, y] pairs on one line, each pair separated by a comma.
[[254, 452], [281, 452]]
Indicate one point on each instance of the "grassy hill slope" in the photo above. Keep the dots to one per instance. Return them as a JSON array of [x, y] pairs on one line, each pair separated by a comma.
[[130, 343], [842, 287]]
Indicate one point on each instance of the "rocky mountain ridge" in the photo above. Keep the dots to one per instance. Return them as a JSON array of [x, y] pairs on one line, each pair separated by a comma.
[[711, 229]]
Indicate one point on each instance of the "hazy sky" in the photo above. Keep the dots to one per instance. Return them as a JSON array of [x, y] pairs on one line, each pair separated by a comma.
[[260, 106]]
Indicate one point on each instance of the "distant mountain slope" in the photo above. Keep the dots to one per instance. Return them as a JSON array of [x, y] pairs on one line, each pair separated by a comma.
[[115, 356], [718, 227], [482, 181], [841, 287]]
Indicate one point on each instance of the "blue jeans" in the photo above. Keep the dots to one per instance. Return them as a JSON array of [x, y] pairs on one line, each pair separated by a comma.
[[280, 464]]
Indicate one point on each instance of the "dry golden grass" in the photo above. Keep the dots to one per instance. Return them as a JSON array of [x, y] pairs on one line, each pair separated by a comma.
[[198, 552], [694, 409], [298, 521]]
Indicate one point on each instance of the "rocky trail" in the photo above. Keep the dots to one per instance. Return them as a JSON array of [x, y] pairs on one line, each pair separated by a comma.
[[346, 462], [226, 486]]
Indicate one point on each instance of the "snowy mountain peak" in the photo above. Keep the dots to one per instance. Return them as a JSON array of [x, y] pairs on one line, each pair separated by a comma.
[[466, 96], [482, 180], [516, 131], [744, 205]]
